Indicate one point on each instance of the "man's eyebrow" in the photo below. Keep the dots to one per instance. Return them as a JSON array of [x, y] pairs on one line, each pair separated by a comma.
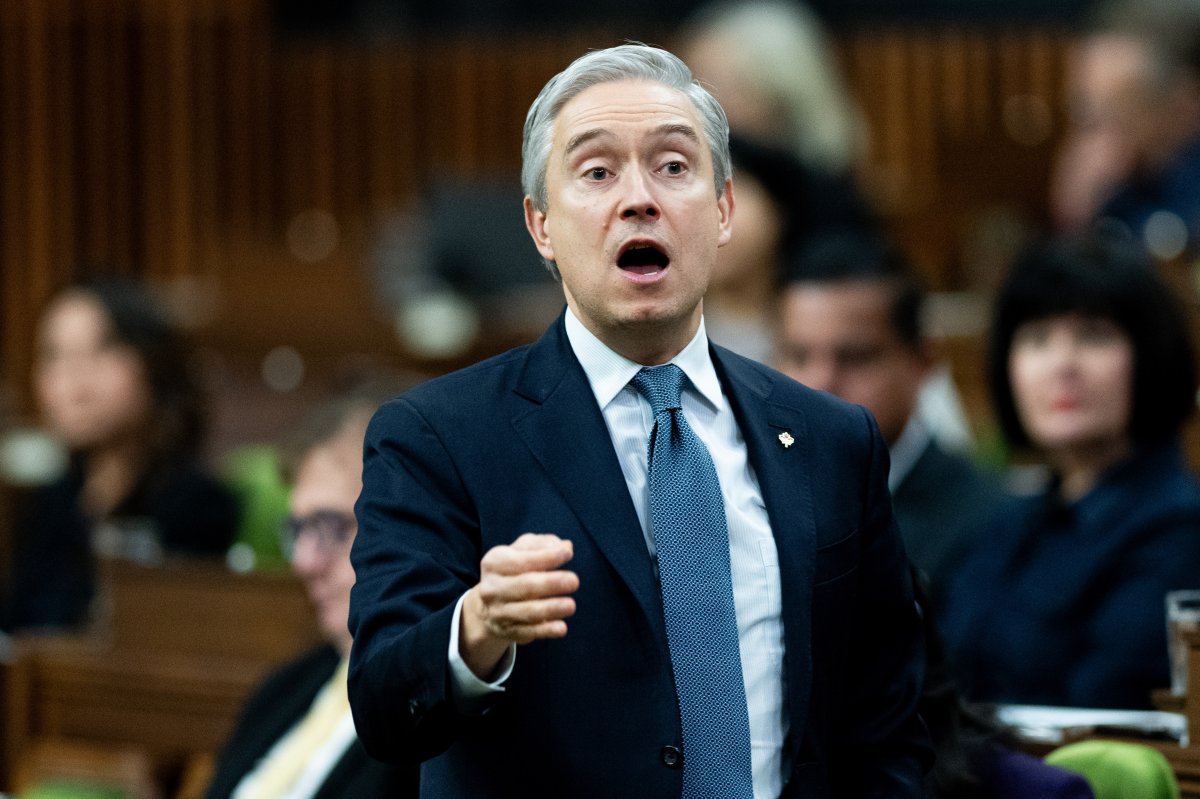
[[580, 139], [676, 128]]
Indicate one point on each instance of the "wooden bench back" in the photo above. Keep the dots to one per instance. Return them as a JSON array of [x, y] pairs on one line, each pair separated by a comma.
[[174, 656]]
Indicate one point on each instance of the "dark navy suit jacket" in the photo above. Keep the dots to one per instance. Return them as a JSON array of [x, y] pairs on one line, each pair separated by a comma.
[[517, 443], [942, 505]]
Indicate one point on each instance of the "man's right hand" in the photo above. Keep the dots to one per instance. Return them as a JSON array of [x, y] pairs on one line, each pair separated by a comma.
[[521, 596]]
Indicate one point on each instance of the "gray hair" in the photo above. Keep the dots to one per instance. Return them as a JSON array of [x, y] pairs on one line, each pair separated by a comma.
[[624, 62]]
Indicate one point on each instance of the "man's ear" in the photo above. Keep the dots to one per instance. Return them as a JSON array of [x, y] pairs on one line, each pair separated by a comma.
[[725, 214], [538, 225]]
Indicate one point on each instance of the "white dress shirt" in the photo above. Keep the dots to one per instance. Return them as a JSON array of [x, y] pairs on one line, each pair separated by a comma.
[[754, 561], [907, 450]]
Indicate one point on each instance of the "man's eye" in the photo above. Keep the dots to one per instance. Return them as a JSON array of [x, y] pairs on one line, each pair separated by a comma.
[[797, 358], [674, 168], [597, 173], [858, 358]]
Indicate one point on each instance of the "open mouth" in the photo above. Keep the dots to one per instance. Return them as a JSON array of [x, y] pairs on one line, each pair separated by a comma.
[[643, 259]]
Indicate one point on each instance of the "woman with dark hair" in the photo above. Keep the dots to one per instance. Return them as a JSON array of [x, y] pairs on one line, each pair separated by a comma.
[[111, 380], [1091, 366]]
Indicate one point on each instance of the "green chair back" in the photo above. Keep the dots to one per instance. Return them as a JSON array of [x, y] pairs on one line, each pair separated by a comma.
[[252, 473], [1118, 770]]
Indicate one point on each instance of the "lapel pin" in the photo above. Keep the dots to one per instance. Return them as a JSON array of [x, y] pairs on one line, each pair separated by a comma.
[[786, 439]]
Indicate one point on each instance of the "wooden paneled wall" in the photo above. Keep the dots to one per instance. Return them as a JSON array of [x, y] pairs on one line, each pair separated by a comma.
[[179, 139], [962, 125]]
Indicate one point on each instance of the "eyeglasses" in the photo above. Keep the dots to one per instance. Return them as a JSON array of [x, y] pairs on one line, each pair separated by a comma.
[[332, 530]]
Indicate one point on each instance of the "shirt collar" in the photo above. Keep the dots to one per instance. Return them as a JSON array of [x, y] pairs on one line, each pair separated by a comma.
[[907, 450], [608, 372]]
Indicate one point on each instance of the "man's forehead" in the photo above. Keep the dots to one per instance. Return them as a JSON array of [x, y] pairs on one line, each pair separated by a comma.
[[837, 309], [846, 293], [618, 105]]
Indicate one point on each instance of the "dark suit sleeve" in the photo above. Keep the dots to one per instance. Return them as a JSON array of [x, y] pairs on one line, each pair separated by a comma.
[[416, 553], [884, 750]]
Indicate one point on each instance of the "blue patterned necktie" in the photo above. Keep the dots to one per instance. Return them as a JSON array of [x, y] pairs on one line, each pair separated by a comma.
[[687, 518]]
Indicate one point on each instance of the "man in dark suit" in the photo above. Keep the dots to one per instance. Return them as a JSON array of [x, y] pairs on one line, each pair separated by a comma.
[[526, 524], [295, 737], [850, 324]]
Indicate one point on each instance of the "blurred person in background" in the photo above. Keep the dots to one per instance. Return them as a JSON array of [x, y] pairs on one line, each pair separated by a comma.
[[296, 737], [112, 384], [1061, 601], [772, 68], [850, 323], [1131, 158], [795, 141], [784, 209]]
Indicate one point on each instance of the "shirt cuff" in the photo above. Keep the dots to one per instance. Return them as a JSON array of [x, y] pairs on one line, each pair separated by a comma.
[[469, 692]]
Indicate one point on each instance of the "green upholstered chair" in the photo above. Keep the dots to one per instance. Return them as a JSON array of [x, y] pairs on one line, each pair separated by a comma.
[[1118, 770], [252, 473]]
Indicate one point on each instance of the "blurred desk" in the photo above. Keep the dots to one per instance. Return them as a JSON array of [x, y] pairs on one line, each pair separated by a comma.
[[164, 674], [1185, 760], [199, 607], [1172, 729], [1057, 725]]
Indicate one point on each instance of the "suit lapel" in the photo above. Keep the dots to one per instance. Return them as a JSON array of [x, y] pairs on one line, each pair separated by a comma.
[[779, 448], [565, 431]]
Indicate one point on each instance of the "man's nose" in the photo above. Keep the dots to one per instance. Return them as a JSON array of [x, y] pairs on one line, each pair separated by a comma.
[[638, 200], [821, 375]]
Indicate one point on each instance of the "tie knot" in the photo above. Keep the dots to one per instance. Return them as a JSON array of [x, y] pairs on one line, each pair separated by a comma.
[[661, 386]]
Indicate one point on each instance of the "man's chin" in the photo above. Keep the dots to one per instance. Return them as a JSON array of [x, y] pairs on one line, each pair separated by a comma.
[[655, 311], [659, 320]]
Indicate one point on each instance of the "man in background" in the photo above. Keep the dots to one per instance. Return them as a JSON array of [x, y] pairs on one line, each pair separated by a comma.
[[295, 738], [850, 324]]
